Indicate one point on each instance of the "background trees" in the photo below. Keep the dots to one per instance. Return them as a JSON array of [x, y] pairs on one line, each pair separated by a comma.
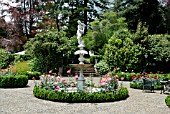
[[48, 49], [129, 27]]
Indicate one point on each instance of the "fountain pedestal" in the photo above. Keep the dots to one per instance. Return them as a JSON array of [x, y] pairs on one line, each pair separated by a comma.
[[81, 81]]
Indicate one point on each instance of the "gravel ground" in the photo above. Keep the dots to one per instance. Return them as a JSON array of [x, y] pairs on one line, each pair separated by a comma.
[[22, 101]]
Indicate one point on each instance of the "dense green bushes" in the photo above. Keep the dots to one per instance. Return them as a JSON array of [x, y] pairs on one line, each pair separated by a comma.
[[4, 58], [13, 81], [32, 74], [77, 97], [167, 101], [140, 86], [21, 67]]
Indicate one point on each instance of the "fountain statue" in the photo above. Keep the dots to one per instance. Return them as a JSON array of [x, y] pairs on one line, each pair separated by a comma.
[[81, 52]]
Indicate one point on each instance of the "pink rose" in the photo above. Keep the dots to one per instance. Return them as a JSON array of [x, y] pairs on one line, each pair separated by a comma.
[[69, 71], [118, 89], [76, 77], [116, 76], [103, 80], [72, 84], [58, 87], [102, 83], [109, 79], [55, 83], [51, 71], [122, 78], [117, 80], [95, 85]]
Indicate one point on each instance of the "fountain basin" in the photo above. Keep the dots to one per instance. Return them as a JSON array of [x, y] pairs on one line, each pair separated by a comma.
[[80, 65]]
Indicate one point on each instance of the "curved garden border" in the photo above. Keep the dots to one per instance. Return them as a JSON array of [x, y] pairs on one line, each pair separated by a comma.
[[13, 81], [139, 86], [80, 97], [167, 101]]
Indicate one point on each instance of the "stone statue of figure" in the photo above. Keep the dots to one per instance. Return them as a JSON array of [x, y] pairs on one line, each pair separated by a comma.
[[80, 31]]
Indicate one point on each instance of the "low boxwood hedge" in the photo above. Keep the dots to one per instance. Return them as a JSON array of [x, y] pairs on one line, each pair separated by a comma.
[[140, 86], [13, 81], [167, 101], [80, 97]]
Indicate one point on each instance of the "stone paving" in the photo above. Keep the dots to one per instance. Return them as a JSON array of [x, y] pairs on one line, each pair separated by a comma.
[[22, 101]]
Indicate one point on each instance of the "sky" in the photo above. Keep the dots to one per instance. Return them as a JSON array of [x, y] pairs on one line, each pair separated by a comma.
[[11, 2]]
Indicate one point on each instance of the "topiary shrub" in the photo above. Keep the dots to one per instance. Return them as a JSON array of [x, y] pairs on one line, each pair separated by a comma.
[[80, 97], [167, 101], [13, 81]]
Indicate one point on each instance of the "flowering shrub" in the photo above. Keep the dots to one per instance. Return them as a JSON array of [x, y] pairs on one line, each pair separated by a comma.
[[137, 80], [55, 88], [102, 67], [108, 83]]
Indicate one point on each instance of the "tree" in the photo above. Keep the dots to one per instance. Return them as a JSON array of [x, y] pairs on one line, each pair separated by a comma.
[[86, 11], [158, 49], [48, 49], [121, 53], [149, 12], [102, 30]]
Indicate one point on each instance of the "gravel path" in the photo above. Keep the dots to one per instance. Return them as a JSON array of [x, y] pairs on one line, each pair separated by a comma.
[[22, 101]]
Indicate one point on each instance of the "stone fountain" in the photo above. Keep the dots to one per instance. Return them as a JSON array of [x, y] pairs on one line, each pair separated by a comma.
[[81, 52]]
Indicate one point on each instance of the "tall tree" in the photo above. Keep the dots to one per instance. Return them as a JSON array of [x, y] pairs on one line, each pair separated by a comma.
[[86, 11], [147, 12]]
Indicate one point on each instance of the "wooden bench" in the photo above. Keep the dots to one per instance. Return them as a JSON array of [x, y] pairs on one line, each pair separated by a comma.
[[148, 83]]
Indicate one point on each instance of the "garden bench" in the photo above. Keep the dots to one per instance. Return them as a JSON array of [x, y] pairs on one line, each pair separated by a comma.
[[166, 86], [148, 83]]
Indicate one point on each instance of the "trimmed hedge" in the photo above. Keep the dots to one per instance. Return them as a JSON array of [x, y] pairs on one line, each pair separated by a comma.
[[34, 74], [140, 86], [80, 97], [13, 81], [167, 101]]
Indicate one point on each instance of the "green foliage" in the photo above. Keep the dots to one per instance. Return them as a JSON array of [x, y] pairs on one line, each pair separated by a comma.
[[18, 58], [159, 47], [102, 30], [47, 50], [79, 97], [167, 101], [21, 67], [4, 58], [13, 81], [93, 57], [32, 74], [102, 67], [122, 53], [150, 12], [137, 81], [126, 76]]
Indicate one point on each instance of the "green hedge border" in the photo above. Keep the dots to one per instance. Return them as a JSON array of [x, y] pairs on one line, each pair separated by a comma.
[[80, 97], [139, 86], [13, 81], [167, 101]]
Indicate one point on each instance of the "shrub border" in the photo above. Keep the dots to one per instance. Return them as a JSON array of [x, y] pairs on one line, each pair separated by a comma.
[[13, 81], [167, 101], [139, 86], [80, 97]]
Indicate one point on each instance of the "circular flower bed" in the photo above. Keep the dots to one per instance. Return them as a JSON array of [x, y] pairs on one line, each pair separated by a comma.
[[137, 82], [78, 97], [56, 88], [13, 81]]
